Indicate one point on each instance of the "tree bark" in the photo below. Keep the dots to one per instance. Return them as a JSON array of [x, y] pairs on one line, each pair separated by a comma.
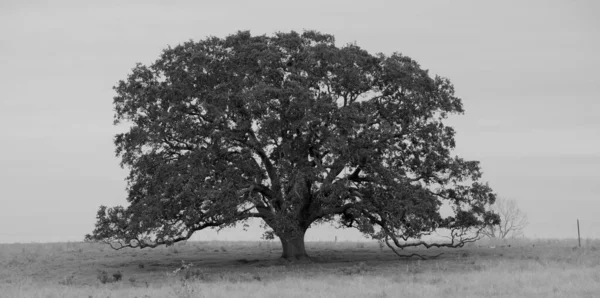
[[293, 247]]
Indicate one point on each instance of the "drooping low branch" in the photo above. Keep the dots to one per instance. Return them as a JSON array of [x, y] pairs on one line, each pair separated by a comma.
[[138, 242], [141, 243], [411, 255], [456, 240], [459, 236]]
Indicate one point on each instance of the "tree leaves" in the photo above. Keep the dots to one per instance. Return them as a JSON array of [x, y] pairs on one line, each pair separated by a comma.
[[293, 130]]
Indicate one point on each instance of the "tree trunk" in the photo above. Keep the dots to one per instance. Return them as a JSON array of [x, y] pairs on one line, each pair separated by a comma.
[[293, 247]]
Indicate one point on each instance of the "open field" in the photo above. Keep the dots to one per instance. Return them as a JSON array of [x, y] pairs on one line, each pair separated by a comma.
[[528, 268]]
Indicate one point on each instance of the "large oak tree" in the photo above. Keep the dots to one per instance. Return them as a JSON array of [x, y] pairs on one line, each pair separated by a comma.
[[295, 131]]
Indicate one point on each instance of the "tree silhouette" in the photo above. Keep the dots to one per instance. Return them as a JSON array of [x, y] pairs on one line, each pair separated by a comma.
[[295, 131], [512, 220]]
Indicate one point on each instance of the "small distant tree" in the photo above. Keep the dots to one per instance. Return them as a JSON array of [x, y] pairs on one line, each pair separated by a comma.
[[295, 131], [512, 220]]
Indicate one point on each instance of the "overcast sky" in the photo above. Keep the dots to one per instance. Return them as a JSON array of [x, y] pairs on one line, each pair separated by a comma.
[[527, 72]]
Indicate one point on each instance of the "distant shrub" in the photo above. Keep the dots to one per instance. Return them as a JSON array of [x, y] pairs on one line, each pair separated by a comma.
[[105, 278]]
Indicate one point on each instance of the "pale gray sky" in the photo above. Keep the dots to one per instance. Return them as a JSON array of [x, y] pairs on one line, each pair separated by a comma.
[[527, 72]]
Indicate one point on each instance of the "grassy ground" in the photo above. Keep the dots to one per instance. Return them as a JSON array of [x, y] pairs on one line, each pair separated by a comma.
[[547, 268]]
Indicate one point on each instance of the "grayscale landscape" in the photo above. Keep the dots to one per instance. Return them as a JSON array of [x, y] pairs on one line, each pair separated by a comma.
[[299, 149]]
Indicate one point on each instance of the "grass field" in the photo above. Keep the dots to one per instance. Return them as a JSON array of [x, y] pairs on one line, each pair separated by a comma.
[[528, 268]]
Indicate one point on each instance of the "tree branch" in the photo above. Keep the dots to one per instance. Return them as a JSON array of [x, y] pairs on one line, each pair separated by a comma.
[[411, 255], [141, 243], [323, 213], [275, 181]]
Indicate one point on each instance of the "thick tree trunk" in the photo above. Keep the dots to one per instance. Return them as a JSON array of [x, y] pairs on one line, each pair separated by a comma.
[[293, 247]]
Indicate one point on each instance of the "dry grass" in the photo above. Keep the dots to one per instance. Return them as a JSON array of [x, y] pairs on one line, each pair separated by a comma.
[[548, 268]]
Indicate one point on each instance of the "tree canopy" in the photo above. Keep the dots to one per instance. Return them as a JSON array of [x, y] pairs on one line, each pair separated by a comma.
[[295, 131]]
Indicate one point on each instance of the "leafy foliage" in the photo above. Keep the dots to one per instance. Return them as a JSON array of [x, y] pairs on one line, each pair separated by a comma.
[[293, 130]]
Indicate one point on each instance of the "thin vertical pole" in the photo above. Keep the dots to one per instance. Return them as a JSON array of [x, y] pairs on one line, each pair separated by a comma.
[[578, 235]]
